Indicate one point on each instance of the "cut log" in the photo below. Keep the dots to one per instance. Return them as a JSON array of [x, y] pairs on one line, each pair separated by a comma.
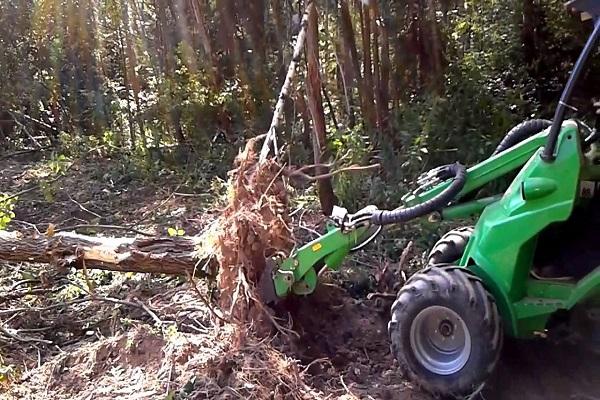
[[165, 255]]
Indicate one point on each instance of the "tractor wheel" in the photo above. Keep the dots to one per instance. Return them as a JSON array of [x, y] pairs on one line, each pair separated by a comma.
[[445, 331], [450, 248]]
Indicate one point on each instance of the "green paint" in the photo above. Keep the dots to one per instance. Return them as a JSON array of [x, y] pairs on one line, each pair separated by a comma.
[[298, 273], [503, 244], [468, 209]]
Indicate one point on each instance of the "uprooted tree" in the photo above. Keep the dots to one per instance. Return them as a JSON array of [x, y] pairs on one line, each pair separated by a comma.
[[252, 226]]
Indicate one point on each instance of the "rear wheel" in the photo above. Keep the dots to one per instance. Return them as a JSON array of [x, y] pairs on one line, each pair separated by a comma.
[[445, 331], [450, 248]]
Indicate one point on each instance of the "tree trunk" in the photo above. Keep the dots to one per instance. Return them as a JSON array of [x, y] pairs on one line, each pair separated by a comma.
[[302, 108], [384, 90], [168, 67], [171, 255], [315, 104], [528, 32], [379, 112], [127, 89], [435, 49], [368, 96], [133, 76], [203, 34]]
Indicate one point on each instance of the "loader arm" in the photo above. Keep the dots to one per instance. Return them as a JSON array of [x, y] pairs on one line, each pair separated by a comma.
[[298, 273]]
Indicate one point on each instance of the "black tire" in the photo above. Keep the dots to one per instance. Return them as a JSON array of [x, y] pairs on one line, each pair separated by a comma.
[[455, 289], [450, 248]]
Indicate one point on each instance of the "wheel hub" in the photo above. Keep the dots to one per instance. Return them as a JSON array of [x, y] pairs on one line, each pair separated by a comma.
[[446, 328], [440, 340]]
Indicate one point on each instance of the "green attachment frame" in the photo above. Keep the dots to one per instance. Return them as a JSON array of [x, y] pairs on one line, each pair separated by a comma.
[[298, 273]]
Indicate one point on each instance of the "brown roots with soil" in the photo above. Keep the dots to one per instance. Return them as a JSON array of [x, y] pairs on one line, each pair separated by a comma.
[[253, 226]]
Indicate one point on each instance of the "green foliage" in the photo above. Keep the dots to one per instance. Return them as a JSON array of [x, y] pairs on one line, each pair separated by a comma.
[[351, 147], [59, 164], [7, 205]]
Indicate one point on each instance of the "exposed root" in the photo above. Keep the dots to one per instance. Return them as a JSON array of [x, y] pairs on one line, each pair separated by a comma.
[[253, 226]]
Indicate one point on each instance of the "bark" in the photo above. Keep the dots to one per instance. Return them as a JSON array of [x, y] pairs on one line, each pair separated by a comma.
[[347, 73], [231, 42], [302, 108], [133, 76], [368, 96], [349, 39], [253, 19], [171, 255], [344, 76], [271, 139], [204, 37], [384, 95], [130, 118], [435, 48], [376, 66], [315, 105], [528, 32], [167, 61]]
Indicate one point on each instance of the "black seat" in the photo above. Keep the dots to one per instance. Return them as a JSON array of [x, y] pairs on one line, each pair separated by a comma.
[[591, 7]]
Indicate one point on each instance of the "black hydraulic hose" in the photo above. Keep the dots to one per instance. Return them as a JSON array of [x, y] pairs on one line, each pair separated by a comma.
[[520, 132], [456, 171], [563, 104]]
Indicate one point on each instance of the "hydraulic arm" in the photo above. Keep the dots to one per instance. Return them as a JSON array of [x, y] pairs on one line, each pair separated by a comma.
[[439, 190]]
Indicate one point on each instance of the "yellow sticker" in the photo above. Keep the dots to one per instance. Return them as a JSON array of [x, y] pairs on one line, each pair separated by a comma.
[[316, 247]]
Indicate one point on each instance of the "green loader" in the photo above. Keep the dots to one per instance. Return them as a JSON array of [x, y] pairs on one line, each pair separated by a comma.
[[529, 264]]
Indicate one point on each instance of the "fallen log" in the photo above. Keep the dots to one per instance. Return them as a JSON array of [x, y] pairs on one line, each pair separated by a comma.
[[165, 255]]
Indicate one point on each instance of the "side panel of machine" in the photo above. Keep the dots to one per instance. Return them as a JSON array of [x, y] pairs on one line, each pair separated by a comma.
[[502, 247]]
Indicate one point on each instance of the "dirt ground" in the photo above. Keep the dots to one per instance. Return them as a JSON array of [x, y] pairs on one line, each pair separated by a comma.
[[117, 350]]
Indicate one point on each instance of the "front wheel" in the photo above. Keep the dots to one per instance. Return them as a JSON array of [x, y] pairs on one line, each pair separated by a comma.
[[445, 331]]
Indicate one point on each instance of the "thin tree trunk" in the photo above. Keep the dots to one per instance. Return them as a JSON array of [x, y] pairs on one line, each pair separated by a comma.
[[134, 79], [528, 32], [345, 76], [315, 105], [231, 44], [130, 118], [436, 48], [302, 108], [211, 64], [168, 64], [345, 55], [271, 139], [367, 65], [376, 65], [384, 95]]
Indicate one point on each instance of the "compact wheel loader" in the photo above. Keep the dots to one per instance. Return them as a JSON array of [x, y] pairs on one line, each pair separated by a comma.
[[531, 261]]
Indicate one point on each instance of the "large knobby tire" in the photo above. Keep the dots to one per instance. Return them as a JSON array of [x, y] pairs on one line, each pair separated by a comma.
[[446, 331], [450, 248]]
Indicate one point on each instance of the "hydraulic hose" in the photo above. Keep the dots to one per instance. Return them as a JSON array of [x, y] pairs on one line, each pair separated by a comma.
[[456, 171], [523, 131]]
